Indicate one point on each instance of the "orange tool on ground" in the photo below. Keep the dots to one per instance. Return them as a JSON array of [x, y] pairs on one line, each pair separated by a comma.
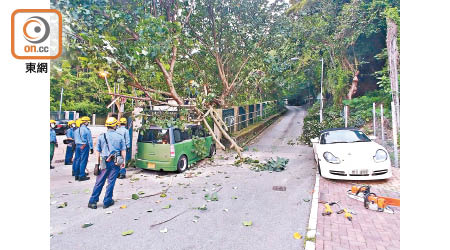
[[373, 201]]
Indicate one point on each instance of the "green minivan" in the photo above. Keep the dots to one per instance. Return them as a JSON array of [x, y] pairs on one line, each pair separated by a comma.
[[170, 149]]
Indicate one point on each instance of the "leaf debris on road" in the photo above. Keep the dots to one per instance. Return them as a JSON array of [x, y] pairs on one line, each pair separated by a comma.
[[129, 232], [297, 235], [62, 205], [202, 207], [85, 225], [247, 223]]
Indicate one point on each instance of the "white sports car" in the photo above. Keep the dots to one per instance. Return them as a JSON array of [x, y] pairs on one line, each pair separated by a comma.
[[348, 154]]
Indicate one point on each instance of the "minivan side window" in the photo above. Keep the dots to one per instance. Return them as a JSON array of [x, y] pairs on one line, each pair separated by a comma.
[[177, 135], [201, 132], [198, 131], [186, 134]]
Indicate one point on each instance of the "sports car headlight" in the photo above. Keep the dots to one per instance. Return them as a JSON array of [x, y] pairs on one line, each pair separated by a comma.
[[380, 156], [329, 157]]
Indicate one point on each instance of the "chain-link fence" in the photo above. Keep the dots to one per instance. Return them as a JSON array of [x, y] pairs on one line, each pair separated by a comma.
[[383, 128]]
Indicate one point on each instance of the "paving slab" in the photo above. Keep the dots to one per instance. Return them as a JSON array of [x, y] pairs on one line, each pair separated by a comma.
[[368, 229]]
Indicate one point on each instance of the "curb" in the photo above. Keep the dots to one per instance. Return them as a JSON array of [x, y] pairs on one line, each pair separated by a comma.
[[311, 230], [263, 126]]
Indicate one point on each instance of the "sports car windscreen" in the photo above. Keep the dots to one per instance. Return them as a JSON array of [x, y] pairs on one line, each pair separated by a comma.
[[343, 136]]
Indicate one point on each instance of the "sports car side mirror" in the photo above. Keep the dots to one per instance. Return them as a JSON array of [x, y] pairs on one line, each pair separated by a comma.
[[372, 137], [315, 140]]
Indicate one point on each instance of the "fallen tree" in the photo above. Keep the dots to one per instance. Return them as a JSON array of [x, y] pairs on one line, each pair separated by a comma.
[[125, 38]]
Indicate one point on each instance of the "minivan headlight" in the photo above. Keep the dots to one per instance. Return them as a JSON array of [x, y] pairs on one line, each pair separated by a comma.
[[329, 157], [380, 156]]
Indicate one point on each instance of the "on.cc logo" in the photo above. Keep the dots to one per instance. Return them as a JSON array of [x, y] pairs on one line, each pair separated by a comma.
[[36, 34]]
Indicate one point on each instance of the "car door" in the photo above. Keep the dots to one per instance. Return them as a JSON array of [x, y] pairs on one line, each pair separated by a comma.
[[179, 143], [207, 140], [188, 146]]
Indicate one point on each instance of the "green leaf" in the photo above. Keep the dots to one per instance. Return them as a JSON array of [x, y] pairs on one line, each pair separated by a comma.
[[167, 207], [62, 205], [134, 196], [129, 232], [85, 225], [247, 223]]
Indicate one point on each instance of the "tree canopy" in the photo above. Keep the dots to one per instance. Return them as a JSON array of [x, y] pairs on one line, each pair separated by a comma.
[[220, 53]]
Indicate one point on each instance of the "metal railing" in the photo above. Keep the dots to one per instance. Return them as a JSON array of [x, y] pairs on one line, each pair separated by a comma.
[[231, 122]]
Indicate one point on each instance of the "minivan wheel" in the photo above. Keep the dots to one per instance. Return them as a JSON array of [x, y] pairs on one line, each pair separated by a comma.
[[182, 164], [212, 150]]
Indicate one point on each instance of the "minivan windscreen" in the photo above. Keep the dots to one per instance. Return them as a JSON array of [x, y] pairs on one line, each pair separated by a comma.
[[158, 136]]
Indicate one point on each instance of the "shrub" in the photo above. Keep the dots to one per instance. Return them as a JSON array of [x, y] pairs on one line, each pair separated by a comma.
[[360, 110], [332, 118], [361, 107]]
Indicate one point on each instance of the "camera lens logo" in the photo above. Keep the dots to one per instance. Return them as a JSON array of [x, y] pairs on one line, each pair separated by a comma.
[[36, 29]]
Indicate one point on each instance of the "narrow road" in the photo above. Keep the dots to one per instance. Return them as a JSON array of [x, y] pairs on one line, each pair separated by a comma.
[[243, 195]]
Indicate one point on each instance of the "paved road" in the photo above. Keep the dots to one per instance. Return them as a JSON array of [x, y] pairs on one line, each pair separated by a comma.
[[276, 215]]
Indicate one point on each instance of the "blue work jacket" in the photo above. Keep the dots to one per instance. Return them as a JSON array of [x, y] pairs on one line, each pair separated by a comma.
[[83, 136], [52, 135], [116, 143], [69, 133], [123, 131]]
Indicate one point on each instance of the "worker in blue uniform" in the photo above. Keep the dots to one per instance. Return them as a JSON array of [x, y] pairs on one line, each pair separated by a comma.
[[70, 146], [84, 145], [123, 131], [77, 155], [110, 150], [53, 141]]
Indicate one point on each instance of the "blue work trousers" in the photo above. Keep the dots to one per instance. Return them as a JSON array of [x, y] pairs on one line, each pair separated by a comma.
[[76, 159], [81, 160], [69, 155], [111, 172], [127, 159], [123, 171], [128, 156]]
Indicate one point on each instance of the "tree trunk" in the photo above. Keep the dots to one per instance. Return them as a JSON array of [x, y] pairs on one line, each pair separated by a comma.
[[354, 86], [226, 135], [391, 42]]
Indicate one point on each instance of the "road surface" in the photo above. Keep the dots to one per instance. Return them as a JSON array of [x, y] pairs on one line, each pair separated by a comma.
[[243, 195]]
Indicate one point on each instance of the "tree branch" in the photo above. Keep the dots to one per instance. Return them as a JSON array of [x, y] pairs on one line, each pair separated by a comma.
[[168, 77], [239, 71], [173, 59]]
